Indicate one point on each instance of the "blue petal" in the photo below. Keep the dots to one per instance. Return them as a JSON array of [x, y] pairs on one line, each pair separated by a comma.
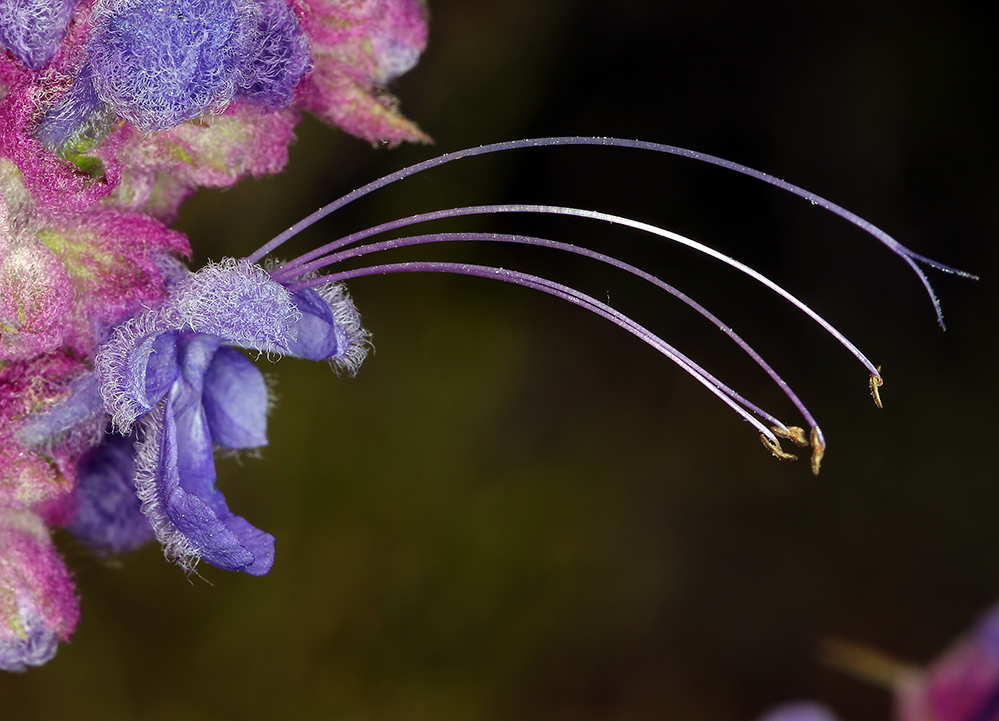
[[161, 368], [69, 114], [236, 301], [187, 514], [108, 517], [149, 369], [194, 507], [235, 401], [195, 458], [317, 336], [82, 404]]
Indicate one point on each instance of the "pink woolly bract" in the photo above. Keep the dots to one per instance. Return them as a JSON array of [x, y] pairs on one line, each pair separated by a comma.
[[161, 170], [43, 481], [36, 300], [357, 47], [38, 602], [66, 283], [56, 185], [112, 258]]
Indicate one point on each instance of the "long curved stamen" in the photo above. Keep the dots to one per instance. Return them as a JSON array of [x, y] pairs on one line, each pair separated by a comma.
[[911, 257], [333, 252], [730, 397], [367, 249], [284, 273]]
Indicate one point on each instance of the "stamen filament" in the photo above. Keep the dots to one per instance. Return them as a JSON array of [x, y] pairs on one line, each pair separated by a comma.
[[585, 252], [730, 397], [908, 255], [284, 274]]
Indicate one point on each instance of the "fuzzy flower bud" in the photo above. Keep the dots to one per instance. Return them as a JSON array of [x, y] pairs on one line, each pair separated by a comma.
[[33, 29], [158, 64], [280, 57], [38, 604]]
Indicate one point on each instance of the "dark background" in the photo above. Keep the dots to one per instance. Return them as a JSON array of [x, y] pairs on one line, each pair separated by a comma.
[[516, 510]]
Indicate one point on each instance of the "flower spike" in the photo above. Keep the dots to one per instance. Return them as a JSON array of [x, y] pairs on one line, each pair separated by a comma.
[[121, 372]]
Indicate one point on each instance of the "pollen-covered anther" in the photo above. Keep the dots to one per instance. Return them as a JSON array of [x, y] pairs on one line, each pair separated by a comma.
[[818, 449], [876, 382], [795, 434], [773, 446]]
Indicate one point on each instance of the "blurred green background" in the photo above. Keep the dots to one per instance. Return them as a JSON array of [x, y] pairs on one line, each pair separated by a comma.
[[517, 511]]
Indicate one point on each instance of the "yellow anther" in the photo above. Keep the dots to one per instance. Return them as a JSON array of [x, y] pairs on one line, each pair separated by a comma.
[[818, 449], [876, 382], [774, 447]]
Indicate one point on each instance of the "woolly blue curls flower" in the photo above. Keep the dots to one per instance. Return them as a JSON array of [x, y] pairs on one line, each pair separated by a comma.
[[173, 370], [159, 64], [33, 29]]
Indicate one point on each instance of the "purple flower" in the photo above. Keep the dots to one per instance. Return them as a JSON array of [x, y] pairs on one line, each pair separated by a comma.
[[108, 515], [33, 29], [173, 371], [158, 64], [281, 56]]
